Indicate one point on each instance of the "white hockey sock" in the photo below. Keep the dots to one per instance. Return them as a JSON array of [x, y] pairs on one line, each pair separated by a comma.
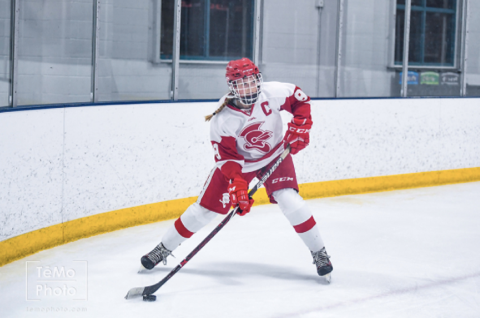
[[312, 239], [300, 217], [192, 220]]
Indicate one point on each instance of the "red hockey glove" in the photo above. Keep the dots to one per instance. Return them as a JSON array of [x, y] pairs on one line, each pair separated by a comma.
[[238, 191], [298, 134]]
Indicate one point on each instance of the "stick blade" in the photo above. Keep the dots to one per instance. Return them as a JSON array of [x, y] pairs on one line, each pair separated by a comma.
[[134, 292]]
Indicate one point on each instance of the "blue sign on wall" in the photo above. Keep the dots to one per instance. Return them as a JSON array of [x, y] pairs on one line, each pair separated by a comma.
[[413, 78]]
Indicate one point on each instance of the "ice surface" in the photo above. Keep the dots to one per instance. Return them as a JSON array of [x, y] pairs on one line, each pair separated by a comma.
[[409, 253]]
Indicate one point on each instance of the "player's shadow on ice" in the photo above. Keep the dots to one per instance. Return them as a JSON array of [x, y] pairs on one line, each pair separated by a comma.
[[231, 273]]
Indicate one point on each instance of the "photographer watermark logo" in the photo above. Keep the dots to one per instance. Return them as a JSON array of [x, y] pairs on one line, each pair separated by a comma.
[[67, 281]]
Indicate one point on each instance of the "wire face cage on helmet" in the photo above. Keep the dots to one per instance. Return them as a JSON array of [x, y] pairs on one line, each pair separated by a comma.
[[244, 80], [247, 89]]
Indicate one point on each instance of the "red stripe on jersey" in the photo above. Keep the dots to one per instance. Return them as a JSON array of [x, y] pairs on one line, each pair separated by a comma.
[[305, 226], [182, 230]]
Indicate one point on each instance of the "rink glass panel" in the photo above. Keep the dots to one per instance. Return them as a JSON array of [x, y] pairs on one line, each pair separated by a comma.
[[219, 30], [432, 33], [298, 45], [5, 58], [54, 51], [127, 66], [298, 41], [366, 50], [434, 48], [213, 33]]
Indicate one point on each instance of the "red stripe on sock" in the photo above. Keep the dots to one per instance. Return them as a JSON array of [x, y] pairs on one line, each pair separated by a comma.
[[181, 229], [305, 226]]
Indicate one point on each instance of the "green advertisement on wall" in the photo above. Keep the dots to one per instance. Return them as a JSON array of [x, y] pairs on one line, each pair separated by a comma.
[[430, 78]]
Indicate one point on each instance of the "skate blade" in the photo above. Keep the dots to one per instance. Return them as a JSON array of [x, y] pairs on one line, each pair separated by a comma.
[[134, 292], [142, 270], [328, 278]]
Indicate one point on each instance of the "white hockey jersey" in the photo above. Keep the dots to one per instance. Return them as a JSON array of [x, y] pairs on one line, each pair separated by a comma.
[[253, 138]]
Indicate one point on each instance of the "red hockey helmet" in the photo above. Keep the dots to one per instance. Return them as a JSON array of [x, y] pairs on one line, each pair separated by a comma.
[[237, 69], [244, 80]]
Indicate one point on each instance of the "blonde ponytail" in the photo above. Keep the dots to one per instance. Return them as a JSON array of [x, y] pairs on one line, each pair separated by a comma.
[[225, 102]]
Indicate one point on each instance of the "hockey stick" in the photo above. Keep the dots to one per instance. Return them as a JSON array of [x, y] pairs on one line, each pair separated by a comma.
[[148, 290]]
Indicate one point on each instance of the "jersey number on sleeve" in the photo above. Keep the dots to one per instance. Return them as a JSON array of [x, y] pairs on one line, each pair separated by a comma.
[[300, 95]]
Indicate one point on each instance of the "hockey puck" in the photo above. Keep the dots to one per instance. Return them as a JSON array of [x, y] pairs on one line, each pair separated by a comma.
[[149, 297]]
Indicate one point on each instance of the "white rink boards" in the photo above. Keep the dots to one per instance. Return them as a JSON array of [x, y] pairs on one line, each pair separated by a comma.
[[409, 253], [59, 165]]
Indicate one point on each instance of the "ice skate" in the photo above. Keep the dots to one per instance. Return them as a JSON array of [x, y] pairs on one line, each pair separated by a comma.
[[157, 255], [322, 261]]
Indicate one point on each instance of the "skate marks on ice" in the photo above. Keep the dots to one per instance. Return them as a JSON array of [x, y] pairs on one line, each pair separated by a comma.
[[409, 293]]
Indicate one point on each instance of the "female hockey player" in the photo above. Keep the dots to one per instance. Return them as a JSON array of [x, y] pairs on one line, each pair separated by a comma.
[[246, 133]]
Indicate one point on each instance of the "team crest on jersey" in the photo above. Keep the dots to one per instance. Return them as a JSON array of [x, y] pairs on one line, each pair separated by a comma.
[[256, 138]]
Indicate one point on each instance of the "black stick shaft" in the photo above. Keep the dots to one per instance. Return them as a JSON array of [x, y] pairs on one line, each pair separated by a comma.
[[151, 289]]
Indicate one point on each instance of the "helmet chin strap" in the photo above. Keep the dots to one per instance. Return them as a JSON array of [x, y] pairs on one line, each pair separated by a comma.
[[242, 105], [249, 99]]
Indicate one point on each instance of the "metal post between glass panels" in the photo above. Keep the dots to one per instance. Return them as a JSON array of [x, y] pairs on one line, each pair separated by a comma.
[[464, 54], [406, 40], [207, 29], [256, 43], [319, 6], [176, 49], [95, 46], [339, 47], [14, 52], [157, 31]]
